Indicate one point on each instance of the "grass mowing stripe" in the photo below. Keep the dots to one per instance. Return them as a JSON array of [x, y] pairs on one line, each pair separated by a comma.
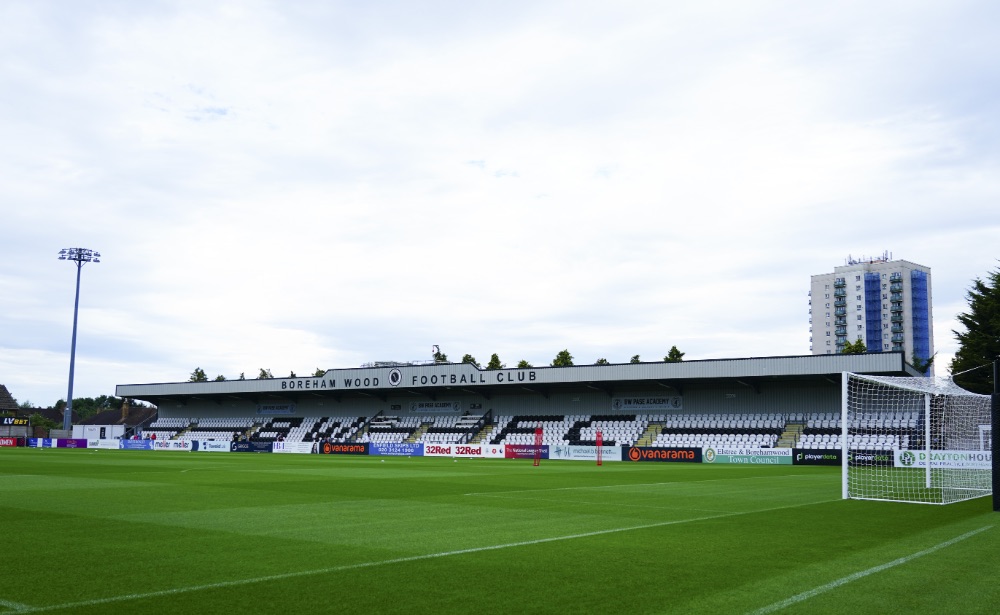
[[397, 560], [777, 606], [631, 485]]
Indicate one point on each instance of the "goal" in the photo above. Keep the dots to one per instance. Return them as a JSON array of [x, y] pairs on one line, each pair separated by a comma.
[[920, 440]]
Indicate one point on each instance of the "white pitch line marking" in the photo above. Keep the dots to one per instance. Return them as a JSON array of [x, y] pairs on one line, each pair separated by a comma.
[[398, 560], [14, 606], [777, 606]]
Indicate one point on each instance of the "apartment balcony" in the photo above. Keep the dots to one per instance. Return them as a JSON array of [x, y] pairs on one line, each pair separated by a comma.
[[896, 297], [897, 347], [897, 328], [897, 339], [840, 283], [896, 307], [840, 303], [840, 311], [841, 331], [840, 292], [840, 320], [896, 277], [897, 318]]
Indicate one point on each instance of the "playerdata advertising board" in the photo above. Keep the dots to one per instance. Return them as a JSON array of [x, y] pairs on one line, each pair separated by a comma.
[[816, 456]]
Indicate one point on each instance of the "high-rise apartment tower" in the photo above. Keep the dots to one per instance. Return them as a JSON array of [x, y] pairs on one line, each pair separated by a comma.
[[886, 303]]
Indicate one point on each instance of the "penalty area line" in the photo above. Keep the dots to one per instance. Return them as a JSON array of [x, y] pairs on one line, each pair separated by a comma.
[[398, 560], [777, 606]]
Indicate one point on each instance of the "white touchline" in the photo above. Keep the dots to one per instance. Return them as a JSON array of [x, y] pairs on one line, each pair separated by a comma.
[[398, 560], [14, 606], [777, 606]]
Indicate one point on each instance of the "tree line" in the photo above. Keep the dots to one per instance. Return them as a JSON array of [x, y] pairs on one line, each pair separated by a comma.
[[562, 359], [83, 407]]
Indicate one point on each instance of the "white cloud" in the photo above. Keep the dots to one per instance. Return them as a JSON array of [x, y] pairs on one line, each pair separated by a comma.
[[307, 185]]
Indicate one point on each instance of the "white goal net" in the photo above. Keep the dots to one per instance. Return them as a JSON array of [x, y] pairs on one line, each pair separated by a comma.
[[914, 440]]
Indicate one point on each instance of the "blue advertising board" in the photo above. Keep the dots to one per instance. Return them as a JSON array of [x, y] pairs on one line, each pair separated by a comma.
[[396, 449]]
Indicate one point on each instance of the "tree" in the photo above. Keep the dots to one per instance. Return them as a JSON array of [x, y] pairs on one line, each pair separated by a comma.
[[264, 374], [292, 375], [468, 358], [602, 361], [495, 362], [979, 344], [37, 420], [439, 357], [86, 407], [198, 375], [220, 378], [522, 364], [922, 365], [319, 372], [674, 355], [563, 359], [243, 376], [635, 359], [858, 346]]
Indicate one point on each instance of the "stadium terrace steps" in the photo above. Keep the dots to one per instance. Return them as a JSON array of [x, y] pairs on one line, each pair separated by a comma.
[[652, 430], [420, 431], [790, 436]]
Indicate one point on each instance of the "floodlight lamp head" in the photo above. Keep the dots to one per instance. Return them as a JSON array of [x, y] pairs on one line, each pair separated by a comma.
[[79, 255]]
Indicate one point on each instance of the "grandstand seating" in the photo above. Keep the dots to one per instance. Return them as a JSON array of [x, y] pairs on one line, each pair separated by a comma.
[[761, 430], [890, 431]]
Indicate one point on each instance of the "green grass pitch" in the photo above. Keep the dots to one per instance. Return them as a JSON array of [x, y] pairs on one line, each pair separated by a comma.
[[162, 532]]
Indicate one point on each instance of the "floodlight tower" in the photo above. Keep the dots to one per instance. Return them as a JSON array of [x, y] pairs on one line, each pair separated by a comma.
[[78, 256]]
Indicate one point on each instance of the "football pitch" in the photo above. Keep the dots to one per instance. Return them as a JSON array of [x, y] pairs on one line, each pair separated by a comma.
[[109, 531]]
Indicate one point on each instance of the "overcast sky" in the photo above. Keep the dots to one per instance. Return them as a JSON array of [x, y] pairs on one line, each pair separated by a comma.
[[297, 185]]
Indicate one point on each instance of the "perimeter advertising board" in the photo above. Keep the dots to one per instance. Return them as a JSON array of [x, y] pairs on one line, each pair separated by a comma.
[[102, 443], [301, 448], [136, 445], [172, 445], [57, 443], [816, 456], [6, 441], [869, 458], [950, 460], [525, 451], [212, 446], [343, 448], [754, 456], [676, 455], [396, 449], [250, 447], [453, 450], [584, 453]]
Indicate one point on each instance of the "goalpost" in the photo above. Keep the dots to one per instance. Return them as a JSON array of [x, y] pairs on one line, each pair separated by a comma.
[[920, 440]]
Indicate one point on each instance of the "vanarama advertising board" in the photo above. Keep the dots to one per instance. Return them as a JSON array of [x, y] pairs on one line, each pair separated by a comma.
[[646, 453], [765, 456]]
